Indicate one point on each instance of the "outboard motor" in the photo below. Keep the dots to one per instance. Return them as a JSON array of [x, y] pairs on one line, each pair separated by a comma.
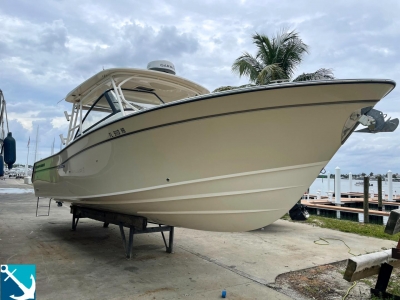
[[299, 212], [375, 122], [9, 150]]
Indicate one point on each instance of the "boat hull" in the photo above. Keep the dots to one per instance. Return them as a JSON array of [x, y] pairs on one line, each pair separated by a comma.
[[226, 162]]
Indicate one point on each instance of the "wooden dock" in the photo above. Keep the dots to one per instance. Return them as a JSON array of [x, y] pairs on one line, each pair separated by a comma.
[[351, 195], [326, 201], [351, 206], [363, 206], [321, 204]]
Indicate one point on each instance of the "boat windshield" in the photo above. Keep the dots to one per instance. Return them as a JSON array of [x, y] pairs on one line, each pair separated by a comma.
[[106, 106], [140, 99]]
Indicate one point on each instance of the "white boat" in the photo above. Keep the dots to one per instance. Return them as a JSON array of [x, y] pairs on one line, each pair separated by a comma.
[[156, 145]]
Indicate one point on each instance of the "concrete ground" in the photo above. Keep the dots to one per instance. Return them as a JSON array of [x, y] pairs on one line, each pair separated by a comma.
[[90, 263]]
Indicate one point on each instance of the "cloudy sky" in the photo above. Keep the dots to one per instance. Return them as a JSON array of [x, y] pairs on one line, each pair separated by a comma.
[[49, 47]]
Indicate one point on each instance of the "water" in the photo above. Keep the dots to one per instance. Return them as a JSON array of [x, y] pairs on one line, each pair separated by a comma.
[[15, 191], [322, 184]]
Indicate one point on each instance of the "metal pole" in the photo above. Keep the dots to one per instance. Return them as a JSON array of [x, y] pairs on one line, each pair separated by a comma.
[[366, 200], [121, 230], [380, 193], [118, 96], [338, 193], [130, 243], [171, 240]]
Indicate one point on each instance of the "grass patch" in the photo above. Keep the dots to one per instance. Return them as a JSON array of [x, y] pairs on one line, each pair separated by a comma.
[[394, 286], [372, 230]]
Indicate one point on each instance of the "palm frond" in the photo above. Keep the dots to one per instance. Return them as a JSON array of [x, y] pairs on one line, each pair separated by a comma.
[[246, 85], [247, 65], [321, 74], [224, 88], [266, 50], [269, 73], [229, 88], [291, 51]]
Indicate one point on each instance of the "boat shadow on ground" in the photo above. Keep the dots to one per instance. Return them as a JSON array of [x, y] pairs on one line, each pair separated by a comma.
[[90, 238]]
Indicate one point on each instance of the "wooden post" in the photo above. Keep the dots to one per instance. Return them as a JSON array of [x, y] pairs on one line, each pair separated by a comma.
[[380, 193], [366, 200]]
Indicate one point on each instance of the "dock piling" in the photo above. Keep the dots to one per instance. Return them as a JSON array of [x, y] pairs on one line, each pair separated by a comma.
[[338, 193], [366, 199]]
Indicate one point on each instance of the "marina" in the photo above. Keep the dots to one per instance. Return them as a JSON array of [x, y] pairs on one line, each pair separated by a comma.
[[353, 205], [199, 150], [322, 186]]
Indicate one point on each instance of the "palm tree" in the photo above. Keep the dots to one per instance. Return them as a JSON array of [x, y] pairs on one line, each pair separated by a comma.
[[276, 59]]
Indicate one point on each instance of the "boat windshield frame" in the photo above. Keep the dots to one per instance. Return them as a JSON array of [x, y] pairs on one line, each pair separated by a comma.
[[141, 90], [129, 106], [118, 105], [112, 106]]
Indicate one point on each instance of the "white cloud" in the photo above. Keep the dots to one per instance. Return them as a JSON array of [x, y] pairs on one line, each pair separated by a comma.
[[59, 123], [26, 119], [381, 50]]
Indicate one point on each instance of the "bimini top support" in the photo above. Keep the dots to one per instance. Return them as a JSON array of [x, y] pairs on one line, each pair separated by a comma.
[[161, 86]]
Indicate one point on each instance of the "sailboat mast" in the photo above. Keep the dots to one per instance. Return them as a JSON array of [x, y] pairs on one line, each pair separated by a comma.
[[52, 147], [37, 138], [27, 158]]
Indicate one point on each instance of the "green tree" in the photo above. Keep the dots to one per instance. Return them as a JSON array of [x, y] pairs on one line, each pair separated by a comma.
[[276, 59]]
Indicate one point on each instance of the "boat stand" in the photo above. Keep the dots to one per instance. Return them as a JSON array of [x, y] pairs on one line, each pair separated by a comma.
[[136, 225]]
